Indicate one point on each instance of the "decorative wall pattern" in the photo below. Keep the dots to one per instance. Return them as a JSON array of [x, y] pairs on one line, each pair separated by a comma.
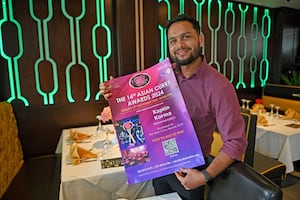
[[44, 60], [102, 59], [12, 57], [42, 70], [44, 51], [224, 19]]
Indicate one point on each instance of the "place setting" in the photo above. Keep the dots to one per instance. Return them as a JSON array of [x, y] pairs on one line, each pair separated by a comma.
[[79, 137], [79, 155], [273, 117], [89, 146], [81, 148]]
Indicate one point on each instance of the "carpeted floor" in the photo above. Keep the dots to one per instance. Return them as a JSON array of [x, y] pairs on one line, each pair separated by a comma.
[[291, 184], [289, 180], [291, 192]]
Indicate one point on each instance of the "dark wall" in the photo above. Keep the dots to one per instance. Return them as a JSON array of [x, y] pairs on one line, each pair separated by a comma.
[[25, 53], [290, 39], [40, 126], [285, 43]]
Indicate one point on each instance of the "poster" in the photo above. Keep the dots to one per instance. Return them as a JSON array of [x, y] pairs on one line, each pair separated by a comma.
[[153, 128]]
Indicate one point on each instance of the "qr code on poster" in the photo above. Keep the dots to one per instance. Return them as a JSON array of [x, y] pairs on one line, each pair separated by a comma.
[[170, 146]]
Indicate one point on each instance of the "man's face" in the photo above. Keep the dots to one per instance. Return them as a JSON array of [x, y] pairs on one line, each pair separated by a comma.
[[184, 43]]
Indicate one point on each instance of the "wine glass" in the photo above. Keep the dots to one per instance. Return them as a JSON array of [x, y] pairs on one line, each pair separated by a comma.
[[272, 110], [107, 145], [243, 103], [99, 128], [247, 104], [107, 140], [277, 112]]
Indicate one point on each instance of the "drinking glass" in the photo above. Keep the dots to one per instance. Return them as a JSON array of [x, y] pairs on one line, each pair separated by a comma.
[[106, 140], [99, 128], [107, 145], [277, 112], [272, 110], [247, 104], [243, 103]]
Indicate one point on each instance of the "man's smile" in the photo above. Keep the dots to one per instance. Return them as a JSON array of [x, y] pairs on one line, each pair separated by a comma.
[[182, 52]]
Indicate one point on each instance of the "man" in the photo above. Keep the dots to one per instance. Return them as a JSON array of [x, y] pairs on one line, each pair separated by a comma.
[[211, 101]]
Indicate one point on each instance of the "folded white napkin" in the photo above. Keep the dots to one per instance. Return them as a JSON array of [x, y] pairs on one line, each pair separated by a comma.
[[78, 154]]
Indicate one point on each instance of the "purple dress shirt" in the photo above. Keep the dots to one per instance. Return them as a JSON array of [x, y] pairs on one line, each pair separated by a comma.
[[212, 102]]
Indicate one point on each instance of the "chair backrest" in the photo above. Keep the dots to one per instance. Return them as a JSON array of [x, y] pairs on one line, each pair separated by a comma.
[[242, 182], [250, 133], [11, 154]]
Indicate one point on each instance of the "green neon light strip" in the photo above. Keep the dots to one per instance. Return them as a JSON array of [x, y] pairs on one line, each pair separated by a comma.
[[228, 59], [199, 6], [181, 6], [12, 62], [44, 47], [242, 38], [76, 53], [266, 21], [163, 36], [102, 60], [214, 34], [253, 58]]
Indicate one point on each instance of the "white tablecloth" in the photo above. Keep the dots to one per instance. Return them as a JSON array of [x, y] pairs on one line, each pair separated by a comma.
[[279, 141], [88, 181], [170, 196]]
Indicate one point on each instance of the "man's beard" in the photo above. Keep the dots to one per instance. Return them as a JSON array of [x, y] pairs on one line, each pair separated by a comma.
[[194, 55]]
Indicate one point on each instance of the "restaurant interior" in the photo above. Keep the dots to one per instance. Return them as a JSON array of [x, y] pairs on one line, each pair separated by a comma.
[[54, 54]]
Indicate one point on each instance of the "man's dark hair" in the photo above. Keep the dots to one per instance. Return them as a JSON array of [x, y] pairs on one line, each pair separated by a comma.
[[183, 17]]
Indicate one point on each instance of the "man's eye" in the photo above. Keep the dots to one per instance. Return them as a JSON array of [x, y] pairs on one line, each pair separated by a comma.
[[186, 37], [171, 42]]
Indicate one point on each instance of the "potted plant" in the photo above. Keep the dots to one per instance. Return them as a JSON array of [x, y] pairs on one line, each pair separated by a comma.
[[292, 78]]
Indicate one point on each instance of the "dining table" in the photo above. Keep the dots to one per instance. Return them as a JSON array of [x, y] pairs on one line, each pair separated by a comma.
[[279, 139], [97, 178]]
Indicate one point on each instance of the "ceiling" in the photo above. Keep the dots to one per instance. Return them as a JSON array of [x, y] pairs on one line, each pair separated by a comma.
[[295, 4]]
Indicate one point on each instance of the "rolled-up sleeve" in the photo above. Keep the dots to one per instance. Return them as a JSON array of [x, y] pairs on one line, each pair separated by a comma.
[[230, 123]]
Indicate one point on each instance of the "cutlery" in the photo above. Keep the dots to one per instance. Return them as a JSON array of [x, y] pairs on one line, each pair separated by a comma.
[[83, 161], [269, 125]]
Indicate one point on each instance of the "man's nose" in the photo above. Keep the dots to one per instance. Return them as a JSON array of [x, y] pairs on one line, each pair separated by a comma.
[[180, 44]]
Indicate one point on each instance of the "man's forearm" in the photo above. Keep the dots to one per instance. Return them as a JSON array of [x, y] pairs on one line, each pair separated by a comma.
[[219, 164]]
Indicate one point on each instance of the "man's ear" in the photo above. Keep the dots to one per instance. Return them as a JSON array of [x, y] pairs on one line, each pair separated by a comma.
[[201, 39]]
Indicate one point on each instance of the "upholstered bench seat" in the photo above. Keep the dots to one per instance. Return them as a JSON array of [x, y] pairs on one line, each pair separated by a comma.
[[38, 178], [285, 96], [33, 179], [269, 167]]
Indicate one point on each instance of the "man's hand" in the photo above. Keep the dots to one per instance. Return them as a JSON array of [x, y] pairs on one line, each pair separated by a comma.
[[106, 114], [190, 178], [105, 89]]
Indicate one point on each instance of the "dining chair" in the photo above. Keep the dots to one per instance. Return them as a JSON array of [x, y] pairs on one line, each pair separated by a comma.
[[267, 166], [250, 134], [241, 182]]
